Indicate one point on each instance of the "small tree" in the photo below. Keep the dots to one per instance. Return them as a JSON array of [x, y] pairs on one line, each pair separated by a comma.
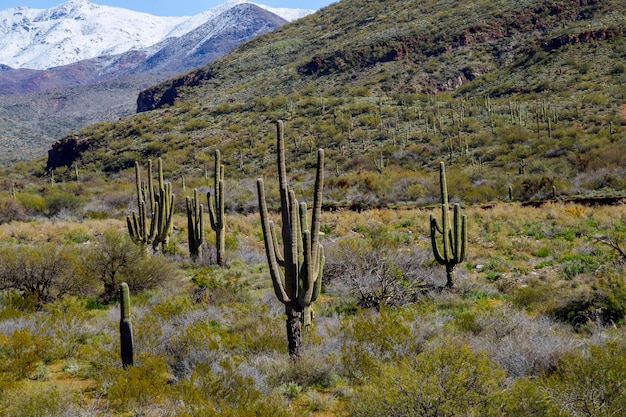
[[40, 272], [110, 260]]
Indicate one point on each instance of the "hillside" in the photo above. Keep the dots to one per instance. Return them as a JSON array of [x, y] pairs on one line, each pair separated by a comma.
[[390, 88]]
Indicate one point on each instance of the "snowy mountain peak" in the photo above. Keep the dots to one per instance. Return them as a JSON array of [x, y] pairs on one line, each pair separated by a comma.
[[68, 9], [77, 30]]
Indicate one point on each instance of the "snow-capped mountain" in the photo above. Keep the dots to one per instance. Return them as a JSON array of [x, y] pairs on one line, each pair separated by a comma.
[[79, 29], [216, 37], [79, 63]]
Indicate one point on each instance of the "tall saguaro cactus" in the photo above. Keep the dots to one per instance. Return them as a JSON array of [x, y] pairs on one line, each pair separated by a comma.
[[452, 249], [195, 225], [296, 271], [216, 209], [126, 328], [152, 223]]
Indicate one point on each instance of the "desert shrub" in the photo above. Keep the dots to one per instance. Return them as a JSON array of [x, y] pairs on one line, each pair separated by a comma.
[[32, 203], [376, 271], [604, 304], [449, 380], [139, 386], [41, 273], [224, 391], [522, 345], [589, 383], [364, 351], [535, 187], [114, 258], [11, 210], [47, 401], [581, 263], [526, 398], [58, 201], [537, 296], [22, 351], [69, 324], [151, 272], [615, 237], [192, 344], [313, 369]]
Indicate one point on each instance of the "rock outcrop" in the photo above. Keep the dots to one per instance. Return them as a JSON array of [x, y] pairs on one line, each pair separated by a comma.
[[65, 151]]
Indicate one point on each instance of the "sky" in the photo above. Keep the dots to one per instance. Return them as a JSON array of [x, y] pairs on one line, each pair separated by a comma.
[[169, 7]]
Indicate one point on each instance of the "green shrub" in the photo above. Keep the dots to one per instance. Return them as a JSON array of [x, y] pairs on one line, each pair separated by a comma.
[[581, 263], [313, 369], [365, 351], [589, 383], [139, 386], [226, 392], [33, 203], [605, 304], [537, 296], [526, 398], [59, 201], [449, 380], [23, 351], [47, 401], [114, 258], [11, 209]]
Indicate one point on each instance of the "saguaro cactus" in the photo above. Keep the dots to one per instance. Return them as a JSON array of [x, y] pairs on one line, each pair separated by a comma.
[[454, 237], [126, 328], [216, 209], [152, 224], [296, 271], [195, 225]]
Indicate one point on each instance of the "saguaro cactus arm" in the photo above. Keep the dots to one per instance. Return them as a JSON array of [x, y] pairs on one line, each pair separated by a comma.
[[277, 275], [460, 234]]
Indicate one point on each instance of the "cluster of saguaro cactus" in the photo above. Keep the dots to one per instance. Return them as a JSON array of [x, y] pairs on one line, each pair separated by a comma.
[[216, 209], [454, 236], [126, 328], [297, 271], [195, 225], [152, 223]]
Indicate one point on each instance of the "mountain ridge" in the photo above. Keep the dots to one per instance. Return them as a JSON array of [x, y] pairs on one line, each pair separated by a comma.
[[77, 30], [25, 92]]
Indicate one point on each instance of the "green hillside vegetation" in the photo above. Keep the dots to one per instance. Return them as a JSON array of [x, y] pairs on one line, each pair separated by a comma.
[[523, 102], [486, 87]]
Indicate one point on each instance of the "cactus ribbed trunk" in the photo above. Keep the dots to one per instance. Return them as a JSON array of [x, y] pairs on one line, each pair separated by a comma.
[[126, 328], [450, 275], [294, 312]]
